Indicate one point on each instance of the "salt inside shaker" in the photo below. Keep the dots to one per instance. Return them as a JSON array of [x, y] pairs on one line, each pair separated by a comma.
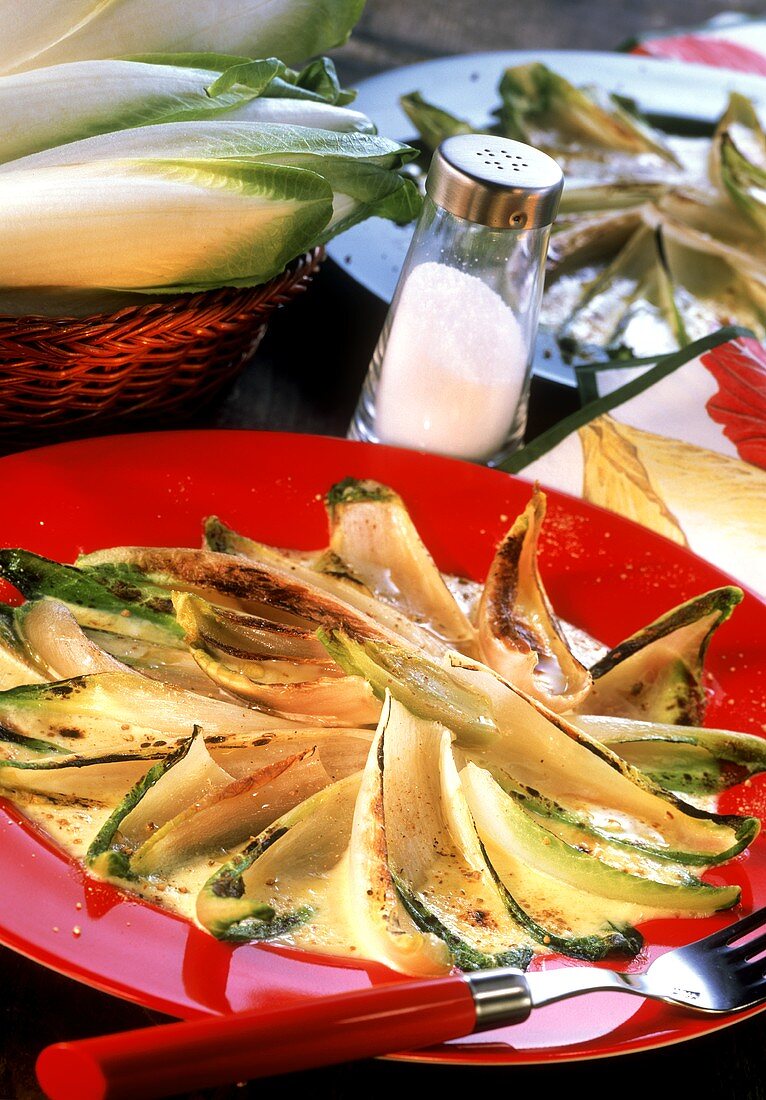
[[451, 370]]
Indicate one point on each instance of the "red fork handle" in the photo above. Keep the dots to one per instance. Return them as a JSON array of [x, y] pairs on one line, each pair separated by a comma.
[[173, 1058]]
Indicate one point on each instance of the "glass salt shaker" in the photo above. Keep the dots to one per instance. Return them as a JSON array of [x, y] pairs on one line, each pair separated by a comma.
[[452, 366]]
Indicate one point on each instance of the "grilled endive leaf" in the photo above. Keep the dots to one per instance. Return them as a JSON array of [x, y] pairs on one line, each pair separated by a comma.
[[737, 162], [426, 689], [440, 870], [186, 774], [548, 754], [245, 636], [218, 817], [656, 673], [290, 883], [327, 700], [518, 631], [688, 759], [383, 928], [290, 590], [559, 884], [57, 644], [107, 711], [629, 307], [118, 599], [16, 665], [373, 536], [78, 779], [432, 123], [541, 107]]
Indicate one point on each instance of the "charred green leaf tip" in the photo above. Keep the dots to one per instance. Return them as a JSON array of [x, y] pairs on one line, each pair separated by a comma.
[[109, 831], [25, 570], [746, 829], [698, 780], [425, 688], [545, 808], [524, 90], [126, 582], [464, 956], [110, 588], [336, 645], [721, 600], [351, 490], [433, 123], [228, 884], [71, 760], [728, 759], [258, 847], [217, 534], [117, 865], [264, 923], [33, 695], [621, 940], [329, 562], [34, 744]]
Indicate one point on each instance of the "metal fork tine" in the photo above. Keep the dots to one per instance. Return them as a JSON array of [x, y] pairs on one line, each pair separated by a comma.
[[735, 932], [754, 980], [752, 947]]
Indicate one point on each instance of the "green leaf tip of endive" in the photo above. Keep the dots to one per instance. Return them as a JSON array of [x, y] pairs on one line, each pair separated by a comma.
[[215, 62], [256, 75]]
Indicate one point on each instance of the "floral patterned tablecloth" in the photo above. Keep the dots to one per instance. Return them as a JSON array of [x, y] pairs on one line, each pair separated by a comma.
[[679, 446]]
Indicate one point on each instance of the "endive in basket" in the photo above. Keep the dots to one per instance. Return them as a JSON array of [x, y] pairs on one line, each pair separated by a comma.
[[46, 107], [190, 205], [46, 32]]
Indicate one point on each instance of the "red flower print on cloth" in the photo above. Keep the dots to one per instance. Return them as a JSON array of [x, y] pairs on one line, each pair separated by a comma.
[[739, 368], [705, 51]]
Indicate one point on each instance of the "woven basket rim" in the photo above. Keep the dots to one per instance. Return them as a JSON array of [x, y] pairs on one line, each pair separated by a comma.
[[293, 272], [150, 359]]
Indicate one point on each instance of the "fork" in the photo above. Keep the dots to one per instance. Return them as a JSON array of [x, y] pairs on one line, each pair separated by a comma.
[[715, 975]]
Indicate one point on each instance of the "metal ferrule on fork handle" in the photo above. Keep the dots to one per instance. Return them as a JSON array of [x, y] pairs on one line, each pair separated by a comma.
[[501, 997]]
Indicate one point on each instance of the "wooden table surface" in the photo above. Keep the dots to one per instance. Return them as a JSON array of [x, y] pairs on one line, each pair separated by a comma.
[[283, 390]]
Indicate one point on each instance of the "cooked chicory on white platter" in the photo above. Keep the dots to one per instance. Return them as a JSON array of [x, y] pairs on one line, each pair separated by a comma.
[[659, 239], [348, 752]]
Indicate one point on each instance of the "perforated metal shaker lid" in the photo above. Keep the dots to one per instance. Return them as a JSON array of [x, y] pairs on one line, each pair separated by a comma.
[[496, 182]]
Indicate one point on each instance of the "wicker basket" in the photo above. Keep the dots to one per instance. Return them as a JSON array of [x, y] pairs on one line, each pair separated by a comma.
[[163, 359]]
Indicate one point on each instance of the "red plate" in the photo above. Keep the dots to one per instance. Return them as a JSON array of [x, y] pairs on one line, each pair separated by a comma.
[[603, 573]]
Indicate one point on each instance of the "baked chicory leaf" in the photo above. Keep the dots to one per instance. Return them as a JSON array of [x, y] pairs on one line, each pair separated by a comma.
[[541, 107], [659, 238], [433, 123]]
